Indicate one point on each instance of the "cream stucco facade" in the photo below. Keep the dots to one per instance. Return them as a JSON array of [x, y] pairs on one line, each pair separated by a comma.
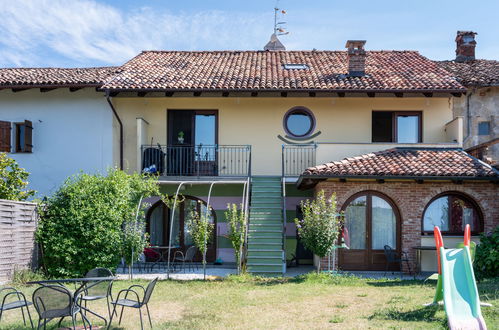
[[259, 121]]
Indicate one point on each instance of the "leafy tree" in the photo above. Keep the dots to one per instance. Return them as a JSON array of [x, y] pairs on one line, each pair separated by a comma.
[[487, 255], [237, 231], [201, 230], [83, 225], [13, 180], [320, 226]]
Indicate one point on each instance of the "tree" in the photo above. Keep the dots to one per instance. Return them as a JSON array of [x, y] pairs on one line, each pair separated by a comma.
[[83, 225], [201, 230], [320, 226], [13, 180], [236, 219]]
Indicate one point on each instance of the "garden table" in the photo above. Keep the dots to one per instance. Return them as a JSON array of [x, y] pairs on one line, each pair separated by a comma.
[[418, 249], [83, 285], [163, 253]]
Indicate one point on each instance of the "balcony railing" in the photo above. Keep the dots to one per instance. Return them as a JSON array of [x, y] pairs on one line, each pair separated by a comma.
[[297, 157], [200, 160]]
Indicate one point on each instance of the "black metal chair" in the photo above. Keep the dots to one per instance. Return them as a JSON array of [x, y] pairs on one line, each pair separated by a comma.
[[54, 301], [392, 258], [19, 301], [137, 303], [98, 290], [179, 257]]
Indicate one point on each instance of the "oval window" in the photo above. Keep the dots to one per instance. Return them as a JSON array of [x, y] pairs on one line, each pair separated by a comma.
[[299, 122]]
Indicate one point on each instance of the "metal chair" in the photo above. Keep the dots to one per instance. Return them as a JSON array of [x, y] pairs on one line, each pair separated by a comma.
[[134, 303], [188, 257], [98, 290], [392, 258], [18, 302], [54, 301]]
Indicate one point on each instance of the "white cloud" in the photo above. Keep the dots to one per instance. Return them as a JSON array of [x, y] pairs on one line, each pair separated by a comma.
[[78, 32]]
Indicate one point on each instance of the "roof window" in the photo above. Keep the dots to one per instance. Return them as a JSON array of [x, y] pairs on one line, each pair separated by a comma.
[[295, 66]]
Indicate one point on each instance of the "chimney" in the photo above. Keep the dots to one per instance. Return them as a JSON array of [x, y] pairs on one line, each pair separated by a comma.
[[465, 46], [356, 58]]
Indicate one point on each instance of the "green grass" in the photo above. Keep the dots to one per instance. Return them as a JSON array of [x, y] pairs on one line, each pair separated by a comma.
[[309, 301]]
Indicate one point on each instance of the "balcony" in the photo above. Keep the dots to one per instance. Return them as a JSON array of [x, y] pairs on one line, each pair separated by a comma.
[[214, 161]]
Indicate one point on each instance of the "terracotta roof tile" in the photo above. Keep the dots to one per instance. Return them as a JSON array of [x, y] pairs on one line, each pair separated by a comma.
[[263, 70], [407, 162], [474, 73], [19, 77]]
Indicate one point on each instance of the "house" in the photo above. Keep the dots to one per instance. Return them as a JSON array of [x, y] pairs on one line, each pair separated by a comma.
[[254, 127], [54, 123], [480, 106]]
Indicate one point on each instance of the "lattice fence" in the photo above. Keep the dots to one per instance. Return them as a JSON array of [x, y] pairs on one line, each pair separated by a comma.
[[18, 221]]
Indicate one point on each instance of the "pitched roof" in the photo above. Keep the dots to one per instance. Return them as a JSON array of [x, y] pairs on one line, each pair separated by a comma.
[[263, 70], [474, 73], [406, 163], [54, 77]]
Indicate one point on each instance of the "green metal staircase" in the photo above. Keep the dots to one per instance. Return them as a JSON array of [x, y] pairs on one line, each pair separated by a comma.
[[265, 235]]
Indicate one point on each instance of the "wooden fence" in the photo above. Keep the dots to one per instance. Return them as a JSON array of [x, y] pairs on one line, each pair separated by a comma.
[[18, 221]]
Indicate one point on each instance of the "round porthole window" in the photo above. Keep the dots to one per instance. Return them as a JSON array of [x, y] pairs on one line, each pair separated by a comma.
[[299, 122]]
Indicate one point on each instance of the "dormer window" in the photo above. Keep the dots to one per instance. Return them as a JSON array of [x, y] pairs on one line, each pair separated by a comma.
[[295, 66]]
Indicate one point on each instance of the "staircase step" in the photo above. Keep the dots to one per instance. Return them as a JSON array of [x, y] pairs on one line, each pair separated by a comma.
[[265, 231], [265, 239], [277, 253], [265, 178], [265, 199]]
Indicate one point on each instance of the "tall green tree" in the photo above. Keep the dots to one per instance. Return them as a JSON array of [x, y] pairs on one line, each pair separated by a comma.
[[13, 180], [201, 230], [320, 227], [237, 231]]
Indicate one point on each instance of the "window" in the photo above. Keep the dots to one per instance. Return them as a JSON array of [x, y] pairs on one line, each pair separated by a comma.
[[5, 128], [400, 127], [23, 132], [484, 128], [452, 212], [295, 66], [299, 122]]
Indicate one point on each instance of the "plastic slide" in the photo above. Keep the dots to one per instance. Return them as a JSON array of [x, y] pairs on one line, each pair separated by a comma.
[[457, 286]]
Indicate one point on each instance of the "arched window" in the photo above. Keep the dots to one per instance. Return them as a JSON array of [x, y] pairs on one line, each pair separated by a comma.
[[452, 212]]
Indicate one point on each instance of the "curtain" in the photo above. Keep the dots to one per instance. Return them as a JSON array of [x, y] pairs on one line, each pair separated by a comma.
[[384, 224], [437, 214], [355, 221], [156, 226]]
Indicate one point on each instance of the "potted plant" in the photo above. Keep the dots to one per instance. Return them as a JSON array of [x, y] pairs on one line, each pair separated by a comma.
[[180, 137]]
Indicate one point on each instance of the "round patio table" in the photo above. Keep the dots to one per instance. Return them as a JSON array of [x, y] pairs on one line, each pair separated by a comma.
[[162, 251], [83, 285]]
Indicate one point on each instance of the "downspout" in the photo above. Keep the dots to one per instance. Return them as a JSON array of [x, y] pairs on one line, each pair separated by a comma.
[[468, 117], [121, 127]]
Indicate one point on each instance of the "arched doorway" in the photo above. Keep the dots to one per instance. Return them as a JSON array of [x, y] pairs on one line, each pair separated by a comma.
[[373, 221], [158, 226]]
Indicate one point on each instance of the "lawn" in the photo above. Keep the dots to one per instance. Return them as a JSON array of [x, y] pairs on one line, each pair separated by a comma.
[[308, 301]]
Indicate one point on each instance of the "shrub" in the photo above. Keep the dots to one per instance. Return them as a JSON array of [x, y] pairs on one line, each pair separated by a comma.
[[82, 224], [13, 180], [320, 226], [487, 255], [201, 230], [237, 231], [23, 276]]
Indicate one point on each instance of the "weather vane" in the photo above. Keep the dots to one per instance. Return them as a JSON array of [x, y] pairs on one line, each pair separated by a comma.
[[279, 26]]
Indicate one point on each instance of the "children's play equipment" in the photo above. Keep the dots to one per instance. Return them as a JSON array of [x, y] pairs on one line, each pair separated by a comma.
[[456, 284]]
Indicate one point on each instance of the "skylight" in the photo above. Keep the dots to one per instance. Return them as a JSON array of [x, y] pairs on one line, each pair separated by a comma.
[[295, 66]]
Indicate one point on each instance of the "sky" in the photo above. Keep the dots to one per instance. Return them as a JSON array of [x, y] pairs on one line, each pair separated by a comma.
[[84, 33]]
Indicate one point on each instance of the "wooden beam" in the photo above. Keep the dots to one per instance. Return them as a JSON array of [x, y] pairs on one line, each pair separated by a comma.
[[370, 94], [197, 94], [457, 94], [343, 180], [45, 90], [74, 89], [311, 94], [419, 181], [225, 94], [381, 180], [254, 94], [428, 94], [457, 181], [341, 94], [169, 94], [15, 90], [399, 94], [113, 94], [141, 94], [284, 94]]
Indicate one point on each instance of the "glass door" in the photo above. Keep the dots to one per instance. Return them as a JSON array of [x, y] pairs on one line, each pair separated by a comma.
[[205, 143]]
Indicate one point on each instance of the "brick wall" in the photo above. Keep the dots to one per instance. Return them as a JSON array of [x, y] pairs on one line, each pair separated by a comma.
[[411, 199]]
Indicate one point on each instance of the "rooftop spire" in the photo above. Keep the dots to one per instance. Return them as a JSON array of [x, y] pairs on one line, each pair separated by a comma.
[[275, 43]]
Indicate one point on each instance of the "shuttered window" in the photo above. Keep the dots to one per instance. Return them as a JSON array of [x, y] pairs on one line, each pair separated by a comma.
[[24, 136], [5, 127]]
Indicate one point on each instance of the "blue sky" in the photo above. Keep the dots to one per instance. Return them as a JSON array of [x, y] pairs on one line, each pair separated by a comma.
[[74, 33]]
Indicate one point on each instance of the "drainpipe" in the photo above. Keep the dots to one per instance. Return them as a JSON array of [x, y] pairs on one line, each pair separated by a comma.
[[468, 117], [121, 128]]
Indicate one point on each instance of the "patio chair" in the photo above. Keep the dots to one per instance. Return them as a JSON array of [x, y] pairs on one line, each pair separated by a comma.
[[134, 303], [98, 290], [54, 301], [392, 258], [19, 301], [179, 257]]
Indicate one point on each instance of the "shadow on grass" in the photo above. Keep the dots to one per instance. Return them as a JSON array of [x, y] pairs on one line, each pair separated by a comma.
[[424, 314], [389, 282]]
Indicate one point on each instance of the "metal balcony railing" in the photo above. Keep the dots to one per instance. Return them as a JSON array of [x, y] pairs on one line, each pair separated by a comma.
[[297, 157], [199, 160]]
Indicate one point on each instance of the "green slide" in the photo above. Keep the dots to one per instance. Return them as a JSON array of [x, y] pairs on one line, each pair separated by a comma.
[[460, 293]]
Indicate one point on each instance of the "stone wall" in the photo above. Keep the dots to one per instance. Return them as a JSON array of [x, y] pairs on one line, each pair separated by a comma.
[[411, 199], [18, 221]]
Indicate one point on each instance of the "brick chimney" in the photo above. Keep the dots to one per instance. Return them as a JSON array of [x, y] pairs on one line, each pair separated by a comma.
[[465, 46], [356, 58]]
